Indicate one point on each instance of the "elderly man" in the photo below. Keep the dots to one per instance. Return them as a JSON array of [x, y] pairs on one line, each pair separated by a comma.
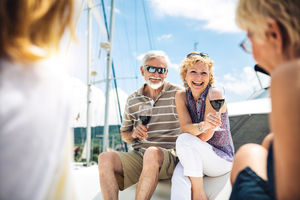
[[153, 156]]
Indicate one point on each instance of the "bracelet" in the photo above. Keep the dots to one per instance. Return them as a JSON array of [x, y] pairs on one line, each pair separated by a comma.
[[199, 128]]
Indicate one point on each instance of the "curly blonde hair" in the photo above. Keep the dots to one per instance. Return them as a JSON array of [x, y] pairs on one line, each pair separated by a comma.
[[191, 61]]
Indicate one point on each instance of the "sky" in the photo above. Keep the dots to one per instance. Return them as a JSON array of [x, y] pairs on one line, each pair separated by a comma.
[[174, 26]]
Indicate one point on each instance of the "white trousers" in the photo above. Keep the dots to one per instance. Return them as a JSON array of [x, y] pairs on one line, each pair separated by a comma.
[[197, 158]]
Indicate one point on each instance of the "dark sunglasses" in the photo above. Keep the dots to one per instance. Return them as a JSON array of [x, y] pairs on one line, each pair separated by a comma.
[[152, 69], [204, 55]]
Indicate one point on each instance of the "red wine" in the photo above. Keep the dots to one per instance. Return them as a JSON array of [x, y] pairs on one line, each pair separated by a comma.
[[145, 119], [217, 104]]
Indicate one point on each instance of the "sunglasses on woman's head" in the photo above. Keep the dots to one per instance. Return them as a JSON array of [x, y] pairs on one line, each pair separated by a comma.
[[204, 55], [153, 69]]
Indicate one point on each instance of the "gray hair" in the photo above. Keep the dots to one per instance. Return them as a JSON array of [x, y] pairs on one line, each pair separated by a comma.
[[155, 54], [253, 15]]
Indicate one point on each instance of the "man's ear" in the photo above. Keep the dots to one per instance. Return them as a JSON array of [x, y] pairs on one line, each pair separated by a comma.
[[142, 70], [274, 35], [166, 73]]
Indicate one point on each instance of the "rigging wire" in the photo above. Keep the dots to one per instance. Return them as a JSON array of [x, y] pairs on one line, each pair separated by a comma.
[[81, 133], [75, 26], [136, 43], [132, 63], [148, 25], [118, 119], [127, 37], [114, 75], [96, 59]]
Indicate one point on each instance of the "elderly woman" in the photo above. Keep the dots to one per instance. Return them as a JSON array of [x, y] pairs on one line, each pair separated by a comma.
[[273, 28], [201, 150]]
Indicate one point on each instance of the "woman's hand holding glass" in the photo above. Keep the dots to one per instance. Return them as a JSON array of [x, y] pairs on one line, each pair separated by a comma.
[[211, 122]]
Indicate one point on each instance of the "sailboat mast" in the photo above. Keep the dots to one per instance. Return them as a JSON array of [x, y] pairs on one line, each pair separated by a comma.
[[89, 46], [108, 79]]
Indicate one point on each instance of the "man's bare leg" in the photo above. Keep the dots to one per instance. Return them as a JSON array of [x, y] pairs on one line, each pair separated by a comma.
[[109, 163], [152, 161]]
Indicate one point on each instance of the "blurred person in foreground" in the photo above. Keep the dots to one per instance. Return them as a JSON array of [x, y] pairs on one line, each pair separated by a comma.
[[153, 156], [201, 149], [271, 170], [35, 150]]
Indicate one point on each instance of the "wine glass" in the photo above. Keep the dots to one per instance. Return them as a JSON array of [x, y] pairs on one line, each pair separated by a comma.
[[216, 97], [145, 113]]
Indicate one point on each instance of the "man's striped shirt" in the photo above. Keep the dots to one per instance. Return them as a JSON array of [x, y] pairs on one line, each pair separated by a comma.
[[163, 127]]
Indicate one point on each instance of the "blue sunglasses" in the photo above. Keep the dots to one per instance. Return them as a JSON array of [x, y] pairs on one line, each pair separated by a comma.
[[152, 69]]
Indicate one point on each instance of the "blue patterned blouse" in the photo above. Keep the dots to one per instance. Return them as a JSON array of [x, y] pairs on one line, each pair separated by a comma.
[[221, 141]]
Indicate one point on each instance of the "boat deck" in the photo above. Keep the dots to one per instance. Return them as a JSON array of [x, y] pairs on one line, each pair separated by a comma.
[[245, 127], [88, 188]]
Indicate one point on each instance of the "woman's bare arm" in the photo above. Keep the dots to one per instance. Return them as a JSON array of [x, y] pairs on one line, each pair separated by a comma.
[[186, 122], [285, 123]]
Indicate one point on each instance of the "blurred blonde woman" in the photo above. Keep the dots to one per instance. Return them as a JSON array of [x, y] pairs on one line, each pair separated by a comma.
[[201, 150], [271, 170], [34, 106]]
